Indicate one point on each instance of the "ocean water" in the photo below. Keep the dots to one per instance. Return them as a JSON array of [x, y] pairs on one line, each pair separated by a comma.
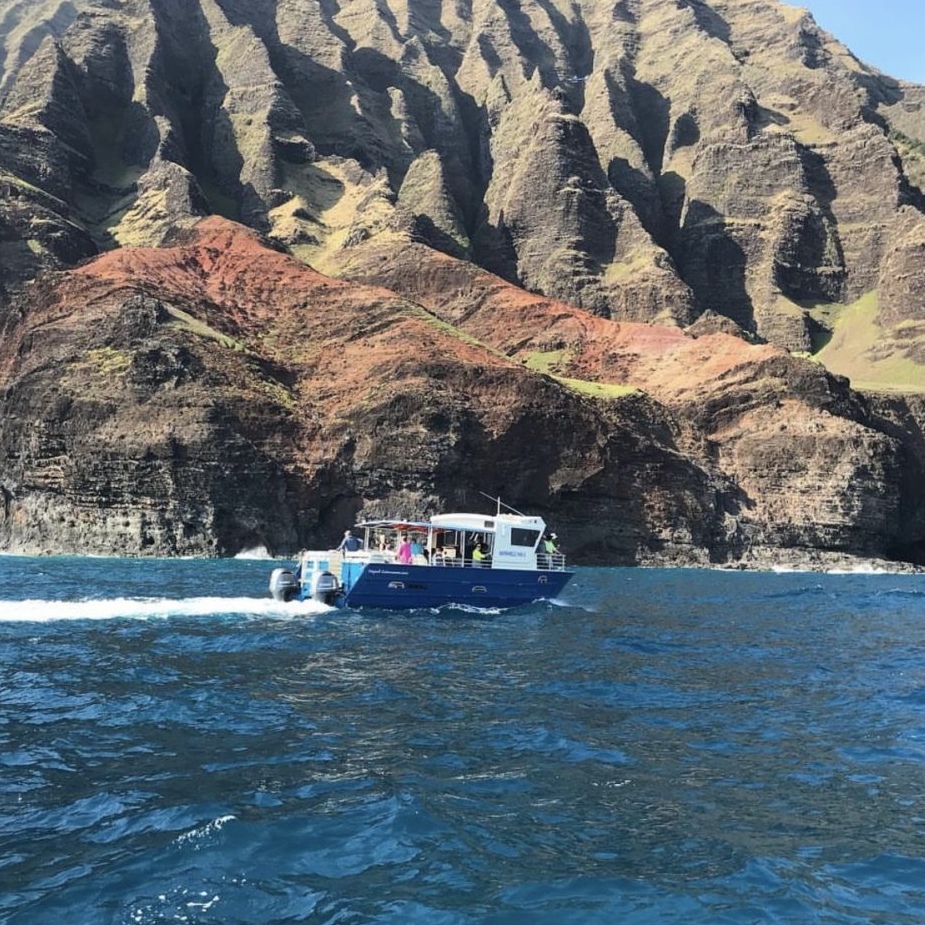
[[655, 747]]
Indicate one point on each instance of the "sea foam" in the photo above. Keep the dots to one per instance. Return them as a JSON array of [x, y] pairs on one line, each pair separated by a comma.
[[44, 611]]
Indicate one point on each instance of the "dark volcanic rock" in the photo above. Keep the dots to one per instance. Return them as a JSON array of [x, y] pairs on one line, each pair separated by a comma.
[[216, 396], [254, 403]]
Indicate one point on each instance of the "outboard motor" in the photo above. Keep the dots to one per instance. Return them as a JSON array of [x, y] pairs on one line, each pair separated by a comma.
[[324, 588], [284, 586]]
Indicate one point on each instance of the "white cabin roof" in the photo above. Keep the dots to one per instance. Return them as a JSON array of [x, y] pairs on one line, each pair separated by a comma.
[[485, 523]]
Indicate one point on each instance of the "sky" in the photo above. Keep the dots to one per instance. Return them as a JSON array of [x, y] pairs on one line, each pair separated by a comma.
[[889, 34]]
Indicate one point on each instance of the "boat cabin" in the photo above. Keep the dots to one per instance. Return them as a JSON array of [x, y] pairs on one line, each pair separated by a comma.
[[466, 540], [499, 541]]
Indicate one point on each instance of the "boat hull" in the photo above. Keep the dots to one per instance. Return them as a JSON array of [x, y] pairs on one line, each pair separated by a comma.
[[407, 587]]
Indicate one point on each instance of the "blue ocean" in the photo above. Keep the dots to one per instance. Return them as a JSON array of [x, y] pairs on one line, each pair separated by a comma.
[[655, 747]]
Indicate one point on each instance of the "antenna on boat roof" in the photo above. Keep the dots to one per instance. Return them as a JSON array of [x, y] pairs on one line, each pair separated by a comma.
[[501, 504]]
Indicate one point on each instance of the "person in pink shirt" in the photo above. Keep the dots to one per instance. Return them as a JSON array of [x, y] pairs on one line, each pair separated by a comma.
[[404, 554]]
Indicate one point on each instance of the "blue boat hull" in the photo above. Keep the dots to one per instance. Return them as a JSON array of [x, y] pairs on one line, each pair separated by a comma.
[[405, 587]]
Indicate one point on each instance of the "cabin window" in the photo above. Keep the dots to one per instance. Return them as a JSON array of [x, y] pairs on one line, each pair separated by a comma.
[[448, 538], [522, 537]]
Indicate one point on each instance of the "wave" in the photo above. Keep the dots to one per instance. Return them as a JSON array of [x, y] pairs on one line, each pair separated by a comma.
[[210, 828], [46, 611], [256, 552], [859, 568], [866, 570]]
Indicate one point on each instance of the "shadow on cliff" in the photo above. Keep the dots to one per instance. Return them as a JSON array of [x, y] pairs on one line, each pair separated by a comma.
[[576, 41], [185, 83], [900, 417], [350, 115], [656, 198], [708, 20], [714, 264], [535, 53], [652, 112]]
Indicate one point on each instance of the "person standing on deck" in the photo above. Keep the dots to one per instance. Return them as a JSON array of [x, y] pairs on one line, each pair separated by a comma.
[[480, 556], [404, 554], [350, 543], [547, 550]]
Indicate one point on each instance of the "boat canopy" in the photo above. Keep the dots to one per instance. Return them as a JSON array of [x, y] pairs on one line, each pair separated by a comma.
[[390, 524], [478, 523]]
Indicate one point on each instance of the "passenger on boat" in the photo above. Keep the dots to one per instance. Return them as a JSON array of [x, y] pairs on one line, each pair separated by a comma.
[[480, 556], [404, 554], [418, 552], [350, 543], [547, 550]]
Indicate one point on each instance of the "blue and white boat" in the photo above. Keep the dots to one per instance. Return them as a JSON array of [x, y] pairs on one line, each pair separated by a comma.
[[478, 560]]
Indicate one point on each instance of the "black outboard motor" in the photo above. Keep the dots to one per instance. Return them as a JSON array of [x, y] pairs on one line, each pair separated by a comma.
[[284, 586], [324, 588]]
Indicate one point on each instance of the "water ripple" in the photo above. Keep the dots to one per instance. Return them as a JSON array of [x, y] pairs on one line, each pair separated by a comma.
[[656, 747]]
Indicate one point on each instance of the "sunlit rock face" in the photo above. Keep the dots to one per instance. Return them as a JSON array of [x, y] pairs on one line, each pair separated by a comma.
[[557, 252]]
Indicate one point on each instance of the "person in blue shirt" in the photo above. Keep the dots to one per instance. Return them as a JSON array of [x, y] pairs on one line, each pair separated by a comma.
[[350, 543]]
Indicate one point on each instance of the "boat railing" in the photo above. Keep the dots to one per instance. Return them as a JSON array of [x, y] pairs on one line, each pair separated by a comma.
[[550, 561], [450, 558], [379, 556], [447, 557]]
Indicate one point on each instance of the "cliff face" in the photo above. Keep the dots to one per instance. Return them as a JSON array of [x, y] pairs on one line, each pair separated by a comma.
[[643, 159], [566, 250], [794, 458], [215, 395]]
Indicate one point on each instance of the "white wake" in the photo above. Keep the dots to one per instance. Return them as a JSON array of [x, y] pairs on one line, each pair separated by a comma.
[[45, 611]]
